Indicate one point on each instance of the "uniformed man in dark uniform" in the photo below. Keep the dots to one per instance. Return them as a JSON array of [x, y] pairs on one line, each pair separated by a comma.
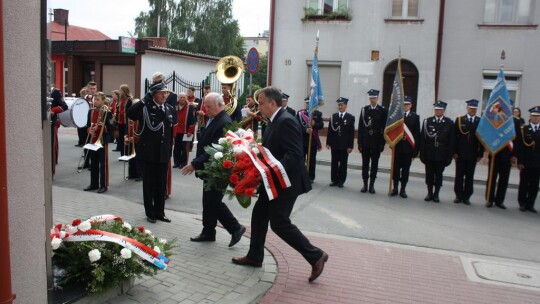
[[371, 139], [285, 102], [529, 162], [310, 127], [406, 149], [340, 140], [468, 151], [437, 149]]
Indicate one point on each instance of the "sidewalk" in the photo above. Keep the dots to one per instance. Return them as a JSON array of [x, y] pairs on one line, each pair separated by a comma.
[[358, 271]]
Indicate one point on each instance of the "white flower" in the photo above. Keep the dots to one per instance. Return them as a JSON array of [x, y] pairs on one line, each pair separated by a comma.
[[240, 132], [71, 230], [163, 241], [126, 225], [222, 140], [237, 150], [125, 253], [55, 243], [84, 226], [156, 249], [218, 155], [148, 232], [94, 255]]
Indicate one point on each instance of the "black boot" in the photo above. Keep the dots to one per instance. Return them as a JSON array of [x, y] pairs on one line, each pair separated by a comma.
[[402, 192], [364, 189], [429, 195], [394, 190], [371, 186], [436, 194]]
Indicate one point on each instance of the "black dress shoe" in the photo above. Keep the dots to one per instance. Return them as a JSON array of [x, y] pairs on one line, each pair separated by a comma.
[[489, 204], [428, 197], [457, 200], [245, 261], [522, 209], [531, 209], [236, 236], [332, 184], [101, 190], [371, 189], [403, 194], [203, 238], [151, 220], [138, 179], [436, 199], [164, 219], [394, 192], [364, 189], [467, 202], [318, 267], [90, 188], [501, 205], [340, 185]]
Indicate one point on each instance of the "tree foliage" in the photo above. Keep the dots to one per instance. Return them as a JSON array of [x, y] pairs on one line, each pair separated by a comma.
[[205, 27]]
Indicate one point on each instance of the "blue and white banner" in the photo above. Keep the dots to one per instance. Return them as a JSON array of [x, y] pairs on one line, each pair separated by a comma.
[[496, 128], [316, 94]]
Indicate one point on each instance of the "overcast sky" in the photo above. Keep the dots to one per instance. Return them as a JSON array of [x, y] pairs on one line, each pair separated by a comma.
[[116, 17]]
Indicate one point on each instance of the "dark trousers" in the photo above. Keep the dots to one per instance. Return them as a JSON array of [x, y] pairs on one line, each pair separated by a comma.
[[277, 213], [499, 180], [120, 139], [215, 210], [402, 165], [528, 186], [83, 134], [134, 166], [434, 173], [180, 151], [97, 169], [312, 161], [370, 155], [154, 182], [463, 182], [338, 171]]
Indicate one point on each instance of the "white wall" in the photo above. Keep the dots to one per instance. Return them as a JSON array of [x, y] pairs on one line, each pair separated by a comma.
[[191, 69], [348, 43], [25, 167]]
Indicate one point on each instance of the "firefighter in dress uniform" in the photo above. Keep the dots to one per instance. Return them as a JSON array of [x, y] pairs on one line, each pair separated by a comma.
[[437, 148], [468, 151], [406, 150], [529, 162], [310, 128], [371, 142], [340, 141]]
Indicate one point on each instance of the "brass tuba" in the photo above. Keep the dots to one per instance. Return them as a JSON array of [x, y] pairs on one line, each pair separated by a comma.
[[228, 71]]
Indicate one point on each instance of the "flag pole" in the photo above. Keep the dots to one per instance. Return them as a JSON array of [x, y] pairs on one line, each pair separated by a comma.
[[310, 114], [390, 182], [490, 177]]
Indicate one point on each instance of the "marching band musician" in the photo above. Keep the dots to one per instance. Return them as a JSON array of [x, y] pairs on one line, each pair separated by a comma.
[[184, 128], [125, 101], [251, 121], [202, 117], [371, 124], [194, 102], [156, 119], [227, 97], [340, 141], [438, 137], [310, 128], [100, 129], [404, 150], [131, 141], [90, 90], [57, 106], [468, 151], [529, 162], [114, 104]]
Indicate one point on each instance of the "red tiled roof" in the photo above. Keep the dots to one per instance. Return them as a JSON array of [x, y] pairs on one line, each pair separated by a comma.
[[75, 33]]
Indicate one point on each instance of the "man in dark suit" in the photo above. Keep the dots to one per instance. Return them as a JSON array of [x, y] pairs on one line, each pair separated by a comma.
[[310, 128], [340, 140], [406, 149], [213, 207], [155, 119], [285, 103], [371, 142], [468, 151], [529, 162], [437, 148], [283, 138]]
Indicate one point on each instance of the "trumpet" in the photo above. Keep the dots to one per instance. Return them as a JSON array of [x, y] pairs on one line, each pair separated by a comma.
[[101, 121], [129, 144], [228, 71]]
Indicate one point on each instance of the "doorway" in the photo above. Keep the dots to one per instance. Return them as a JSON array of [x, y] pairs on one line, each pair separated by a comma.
[[409, 73]]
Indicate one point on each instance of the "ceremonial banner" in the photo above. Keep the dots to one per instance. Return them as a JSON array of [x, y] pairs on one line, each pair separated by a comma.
[[496, 128], [393, 131], [316, 93]]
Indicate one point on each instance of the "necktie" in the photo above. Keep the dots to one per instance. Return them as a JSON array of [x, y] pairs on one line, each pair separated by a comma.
[[471, 120], [209, 121], [535, 128], [340, 115], [161, 108]]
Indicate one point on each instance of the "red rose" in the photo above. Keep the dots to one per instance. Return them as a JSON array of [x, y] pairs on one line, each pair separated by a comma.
[[234, 179], [250, 191], [76, 222], [140, 228], [227, 164]]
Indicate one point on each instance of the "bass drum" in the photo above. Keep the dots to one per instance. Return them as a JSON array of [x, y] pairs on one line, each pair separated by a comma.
[[76, 116]]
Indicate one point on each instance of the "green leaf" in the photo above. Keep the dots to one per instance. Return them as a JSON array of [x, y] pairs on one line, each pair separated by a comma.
[[244, 200]]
